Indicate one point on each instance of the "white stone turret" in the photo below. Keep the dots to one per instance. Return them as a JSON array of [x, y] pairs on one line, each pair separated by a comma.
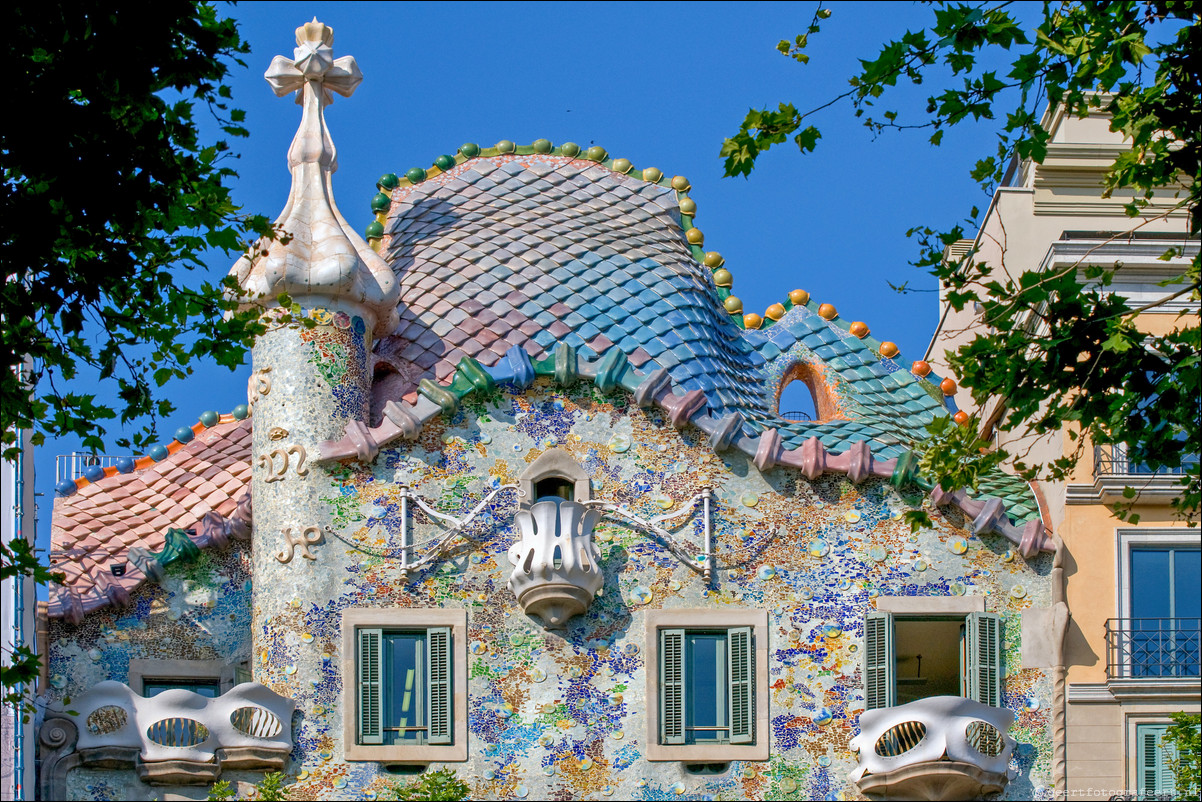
[[311, 377], [318, 259]]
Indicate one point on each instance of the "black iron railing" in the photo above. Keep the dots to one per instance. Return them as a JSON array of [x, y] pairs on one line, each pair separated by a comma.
[[1112, 460], [796, 415], [1153, 647]]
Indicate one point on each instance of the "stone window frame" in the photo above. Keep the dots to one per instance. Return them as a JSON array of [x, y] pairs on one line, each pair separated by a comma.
[[558, 464], [405, 618], [186, 671], [918, 608], [1132, 721], [1128, 540], [708, 618]]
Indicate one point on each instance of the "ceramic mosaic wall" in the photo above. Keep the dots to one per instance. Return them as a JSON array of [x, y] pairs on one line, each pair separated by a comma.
[[200, 611], [561, 715]]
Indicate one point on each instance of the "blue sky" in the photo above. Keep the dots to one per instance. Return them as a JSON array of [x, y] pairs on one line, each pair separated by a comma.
[[661, 84]]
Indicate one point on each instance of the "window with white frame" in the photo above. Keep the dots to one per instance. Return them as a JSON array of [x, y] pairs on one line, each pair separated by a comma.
[[406, 685], [915, 656], [1165, 609], [707, 688], [209, 678], [1159, 630], [707, 685]]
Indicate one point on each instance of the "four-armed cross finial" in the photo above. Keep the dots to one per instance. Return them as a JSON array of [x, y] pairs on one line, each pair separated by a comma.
[[314, 74]]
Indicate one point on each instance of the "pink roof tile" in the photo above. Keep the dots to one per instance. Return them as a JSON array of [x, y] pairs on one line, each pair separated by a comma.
[[95, 528]]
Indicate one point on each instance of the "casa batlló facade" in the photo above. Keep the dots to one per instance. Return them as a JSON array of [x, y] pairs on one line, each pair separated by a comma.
[[511, 494]]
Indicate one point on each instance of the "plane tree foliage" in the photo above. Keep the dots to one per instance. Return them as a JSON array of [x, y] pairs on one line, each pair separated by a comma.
[[111, 194], [1057, 351]]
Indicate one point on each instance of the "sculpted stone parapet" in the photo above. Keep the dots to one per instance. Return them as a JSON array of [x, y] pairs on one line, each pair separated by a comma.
[[177, 737]]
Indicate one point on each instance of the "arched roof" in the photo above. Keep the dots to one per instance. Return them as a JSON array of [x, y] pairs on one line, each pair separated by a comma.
[[538, 246]]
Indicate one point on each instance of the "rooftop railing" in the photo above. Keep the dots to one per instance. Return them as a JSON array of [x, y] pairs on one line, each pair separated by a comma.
[[1112, 460], [72, 466], [1153, 647]]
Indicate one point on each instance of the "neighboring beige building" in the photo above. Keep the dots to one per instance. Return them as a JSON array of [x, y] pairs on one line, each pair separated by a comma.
[[1130, 651]]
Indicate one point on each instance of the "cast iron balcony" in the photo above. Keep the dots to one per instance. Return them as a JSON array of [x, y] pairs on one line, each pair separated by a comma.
[[1153, 647], [1114, 473], [942, 747]]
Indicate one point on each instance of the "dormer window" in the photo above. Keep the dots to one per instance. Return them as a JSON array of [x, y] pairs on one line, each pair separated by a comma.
[[556, 565]]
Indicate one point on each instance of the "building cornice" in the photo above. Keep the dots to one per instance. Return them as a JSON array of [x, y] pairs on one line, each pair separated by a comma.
[[1143, 689], [1108, 489]]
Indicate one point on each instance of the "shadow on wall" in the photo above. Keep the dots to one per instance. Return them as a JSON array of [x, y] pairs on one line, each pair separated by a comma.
[[1077, 650], [409, 354]]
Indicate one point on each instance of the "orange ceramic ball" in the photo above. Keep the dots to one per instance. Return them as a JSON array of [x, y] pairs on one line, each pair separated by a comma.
[[889, 349], [799, 297], [776, 311], [859, 329], [961, 417], [827, 311], [920, 368], [948, 387], [752, 321]]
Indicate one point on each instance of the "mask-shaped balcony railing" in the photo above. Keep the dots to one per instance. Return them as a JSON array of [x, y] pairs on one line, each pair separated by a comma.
[[177, 736], [942, 747], [556, 564]]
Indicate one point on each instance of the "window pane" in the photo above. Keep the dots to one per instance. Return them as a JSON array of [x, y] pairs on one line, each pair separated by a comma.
[[210, 689], [1187, 608], [1151, 638], [404, 691], [554, 489], [705, 696], [928, 658], [1150, 583], [1187, 584]]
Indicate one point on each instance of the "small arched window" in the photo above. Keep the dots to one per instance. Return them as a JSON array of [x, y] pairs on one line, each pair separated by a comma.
[[803, 394], [554, 476], [554, 488]]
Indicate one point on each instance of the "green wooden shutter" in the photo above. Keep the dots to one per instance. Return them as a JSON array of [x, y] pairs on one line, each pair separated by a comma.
[[879, 661], [985, 658], [371, 697], [740, 667], [671, 686], [438, 677], [1152, 758]]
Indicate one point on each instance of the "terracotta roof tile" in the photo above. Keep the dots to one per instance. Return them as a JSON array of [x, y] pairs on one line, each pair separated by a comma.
[[96, 527]]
